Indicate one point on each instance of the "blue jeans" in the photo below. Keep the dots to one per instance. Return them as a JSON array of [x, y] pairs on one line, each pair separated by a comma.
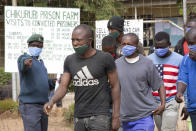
[[34, 119], [144, 124], [93, 123], [193, 119]]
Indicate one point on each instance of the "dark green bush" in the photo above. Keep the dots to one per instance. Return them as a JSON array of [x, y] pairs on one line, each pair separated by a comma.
[[4, 77], [8, 105]]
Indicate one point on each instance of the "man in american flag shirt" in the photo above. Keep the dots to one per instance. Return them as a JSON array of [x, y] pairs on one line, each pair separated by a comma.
[[167, 63]]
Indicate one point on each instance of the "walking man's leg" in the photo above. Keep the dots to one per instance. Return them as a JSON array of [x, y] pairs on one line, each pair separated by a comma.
[[170, 116], [193, 119], [158, 121], [44, 122], [99, 123], [32, 117], [144, 124], [79, 124]]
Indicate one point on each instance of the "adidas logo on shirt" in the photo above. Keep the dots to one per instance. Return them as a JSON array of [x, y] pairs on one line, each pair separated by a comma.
[[84, 78]]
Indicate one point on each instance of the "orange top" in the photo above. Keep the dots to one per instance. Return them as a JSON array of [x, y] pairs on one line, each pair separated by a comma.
[[186, 49]]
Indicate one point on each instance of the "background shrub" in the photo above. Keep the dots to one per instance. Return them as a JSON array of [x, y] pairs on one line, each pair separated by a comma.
[[68, 114], [4, 77], [8, 105], [70, 88]]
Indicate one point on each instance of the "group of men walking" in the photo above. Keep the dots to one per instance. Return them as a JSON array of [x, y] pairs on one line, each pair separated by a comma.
[[112, 90]]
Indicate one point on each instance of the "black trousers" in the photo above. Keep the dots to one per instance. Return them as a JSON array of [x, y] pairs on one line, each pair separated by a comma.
[[34, 119], [93, 123]]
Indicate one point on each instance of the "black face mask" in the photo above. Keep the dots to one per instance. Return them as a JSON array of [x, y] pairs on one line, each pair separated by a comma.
[[81, 50]]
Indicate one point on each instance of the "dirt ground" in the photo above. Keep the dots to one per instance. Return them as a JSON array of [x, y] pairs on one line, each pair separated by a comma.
[[13, 122]]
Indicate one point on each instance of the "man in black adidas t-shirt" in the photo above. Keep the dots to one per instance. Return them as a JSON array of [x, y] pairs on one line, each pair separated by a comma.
[[90, 70]]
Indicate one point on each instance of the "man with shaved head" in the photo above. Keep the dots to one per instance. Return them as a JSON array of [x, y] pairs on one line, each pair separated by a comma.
[[187, 75], [90, 69], [138, 76]]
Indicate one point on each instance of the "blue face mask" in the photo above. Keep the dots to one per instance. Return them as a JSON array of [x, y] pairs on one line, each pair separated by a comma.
[[128, 50], [35, 51], [161, 52], [193, 48], [187, 29]]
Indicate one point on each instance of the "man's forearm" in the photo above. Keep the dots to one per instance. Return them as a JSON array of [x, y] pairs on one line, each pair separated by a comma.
[[61, 91], [59, 94], [181, 87], [162, 94], [116, 101]]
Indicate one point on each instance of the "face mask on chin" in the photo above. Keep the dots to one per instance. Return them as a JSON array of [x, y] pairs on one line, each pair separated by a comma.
[[35, 51], [81, 49]]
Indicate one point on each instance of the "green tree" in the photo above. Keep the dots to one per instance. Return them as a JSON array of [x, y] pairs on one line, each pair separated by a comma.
[[92, 10], [4, 77], [191, 10], [102, 9]]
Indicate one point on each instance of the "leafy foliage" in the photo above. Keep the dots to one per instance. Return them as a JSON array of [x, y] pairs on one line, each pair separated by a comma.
[[191, 10], [37, 3], [70, 88], [90, 10], [102, 9], [69, 113], [4, 77], [8, 104]]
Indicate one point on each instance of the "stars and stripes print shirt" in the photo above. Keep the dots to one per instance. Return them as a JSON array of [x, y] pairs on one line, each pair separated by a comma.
[[169, 75], [168, 69]]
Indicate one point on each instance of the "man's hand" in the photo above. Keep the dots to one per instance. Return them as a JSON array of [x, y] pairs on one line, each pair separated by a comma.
[[179, 98], [192, 55], [115, 123], [48, 107], [28, 62], [159, 110], [184, 113]]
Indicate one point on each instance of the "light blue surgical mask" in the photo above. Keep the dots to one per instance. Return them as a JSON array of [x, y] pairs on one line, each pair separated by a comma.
[[35, 51], [128, 50], [187, 29], [161, 51], [193, 48]]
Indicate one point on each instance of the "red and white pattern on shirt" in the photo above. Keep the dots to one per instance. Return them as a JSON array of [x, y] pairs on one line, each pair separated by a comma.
[[169, 75]]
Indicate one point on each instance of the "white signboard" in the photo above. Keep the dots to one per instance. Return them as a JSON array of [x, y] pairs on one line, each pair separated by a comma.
[[56, 26], [130, 26]]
